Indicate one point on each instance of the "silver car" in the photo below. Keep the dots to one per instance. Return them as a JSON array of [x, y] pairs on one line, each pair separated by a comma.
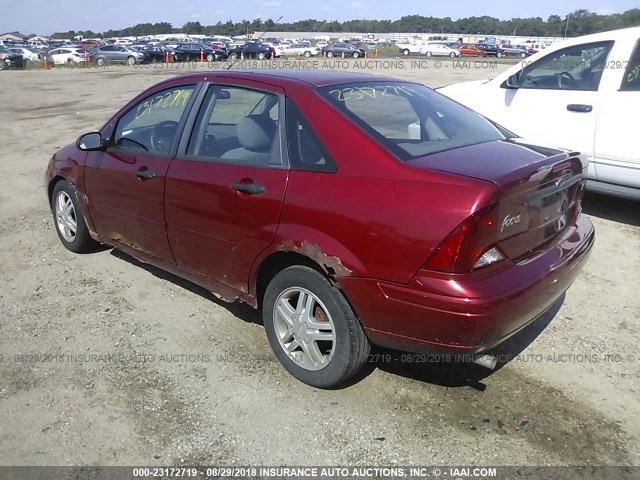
[[117, 54]]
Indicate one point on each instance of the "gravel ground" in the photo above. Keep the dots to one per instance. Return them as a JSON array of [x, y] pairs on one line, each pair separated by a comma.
[[104, 361]]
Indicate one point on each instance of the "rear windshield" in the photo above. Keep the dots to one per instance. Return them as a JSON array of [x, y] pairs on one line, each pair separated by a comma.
[[409, 119]]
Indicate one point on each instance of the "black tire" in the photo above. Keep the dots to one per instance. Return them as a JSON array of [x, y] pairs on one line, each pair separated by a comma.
[[211, 57], [233, 56], [262, 56], [428, 54], [452, 54], [351, 347], [3, 65], [82, 241], [499, 55], [100, 62], [356, 55], [307, 54], [330, 54], [131, 60], [406, 52]]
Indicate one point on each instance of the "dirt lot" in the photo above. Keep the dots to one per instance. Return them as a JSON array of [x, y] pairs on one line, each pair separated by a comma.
[[191, 380]]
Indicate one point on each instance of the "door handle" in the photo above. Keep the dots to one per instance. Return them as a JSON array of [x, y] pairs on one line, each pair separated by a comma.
[[145, 174], [577, 107], [248, 188]]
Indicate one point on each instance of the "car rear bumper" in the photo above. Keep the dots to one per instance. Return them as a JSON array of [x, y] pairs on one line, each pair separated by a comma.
[[468, 313]]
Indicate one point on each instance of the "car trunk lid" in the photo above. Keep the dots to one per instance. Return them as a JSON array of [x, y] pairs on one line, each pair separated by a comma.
[[539, 190]]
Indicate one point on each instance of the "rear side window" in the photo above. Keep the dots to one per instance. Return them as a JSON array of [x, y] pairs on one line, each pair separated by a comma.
[[306, 152], [631, 80], [408, 119]]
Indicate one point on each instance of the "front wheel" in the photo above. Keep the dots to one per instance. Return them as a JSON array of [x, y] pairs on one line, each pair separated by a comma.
[[131, 60], [428, 54], [330, 54], [233, 56], [210, 57], [406, 52], [452, 54], [70, 224], [499, 55], [356, 54], [311, 328], [262, 56]]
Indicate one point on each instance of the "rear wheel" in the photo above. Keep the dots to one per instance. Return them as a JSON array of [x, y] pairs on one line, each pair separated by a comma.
[[405, 52], [233, 56], [428, 54], [262, 56], [70, 224], [499, 55], [307, 54], [312, 329], [100, 62]]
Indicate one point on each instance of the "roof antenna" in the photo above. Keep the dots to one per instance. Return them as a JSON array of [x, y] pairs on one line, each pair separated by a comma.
[[263, 34]]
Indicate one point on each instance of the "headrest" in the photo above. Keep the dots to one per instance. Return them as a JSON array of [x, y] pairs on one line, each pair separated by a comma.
[[256, 132]]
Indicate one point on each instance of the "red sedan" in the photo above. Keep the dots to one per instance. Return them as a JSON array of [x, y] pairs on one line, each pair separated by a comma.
[[351, 209]]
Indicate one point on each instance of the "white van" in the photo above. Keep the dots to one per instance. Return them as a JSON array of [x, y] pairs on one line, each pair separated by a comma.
[[580, 94]]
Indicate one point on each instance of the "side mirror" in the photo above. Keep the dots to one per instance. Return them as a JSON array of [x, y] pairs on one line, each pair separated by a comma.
[[514, 81], [90, 142]]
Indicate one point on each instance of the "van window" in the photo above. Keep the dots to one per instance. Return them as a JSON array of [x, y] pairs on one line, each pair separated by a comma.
[[631, 79], [578, 67]]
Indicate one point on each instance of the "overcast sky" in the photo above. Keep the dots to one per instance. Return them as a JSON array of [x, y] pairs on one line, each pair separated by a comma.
[[49, 16]]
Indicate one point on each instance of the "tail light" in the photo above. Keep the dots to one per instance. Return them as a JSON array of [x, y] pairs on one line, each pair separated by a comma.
[[471, 246]]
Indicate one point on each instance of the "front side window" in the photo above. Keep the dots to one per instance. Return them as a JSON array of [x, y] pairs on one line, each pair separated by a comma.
[[631, 79], [409, 119], [152, 124], [573, 68], [237, 125]]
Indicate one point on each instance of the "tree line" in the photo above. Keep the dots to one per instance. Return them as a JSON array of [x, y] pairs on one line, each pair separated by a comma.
[[580, 22]]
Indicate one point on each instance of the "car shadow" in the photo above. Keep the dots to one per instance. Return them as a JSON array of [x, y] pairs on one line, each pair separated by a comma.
[[433, 369], [616, 209], [449, 371], [240, 310]]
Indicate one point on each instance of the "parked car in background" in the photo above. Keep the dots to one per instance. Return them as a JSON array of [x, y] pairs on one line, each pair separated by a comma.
[[255, 50], [439, 50], [490, 50], [193, 51], [513, 51], [28, 54], [117, 54], [302, 49], [342, 48], [353, 228], [578, 94], [408, 48], [470, 51], [158, 53], [66, 55], [9, 59]]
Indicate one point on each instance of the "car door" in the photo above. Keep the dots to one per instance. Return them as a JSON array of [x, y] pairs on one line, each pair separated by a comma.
[[125, 183], [616, 152], [226, 186], [558, 99]]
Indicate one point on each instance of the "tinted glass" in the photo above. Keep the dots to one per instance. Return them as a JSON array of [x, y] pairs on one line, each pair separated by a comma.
[[409, 119], [631, 80]]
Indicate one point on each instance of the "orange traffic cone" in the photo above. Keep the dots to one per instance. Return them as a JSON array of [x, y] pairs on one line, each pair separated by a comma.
[[273, 55], [298, 56], [86, 59], [342, 54], [201, 56], [366, 55], [46, 63], [375, 54]]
